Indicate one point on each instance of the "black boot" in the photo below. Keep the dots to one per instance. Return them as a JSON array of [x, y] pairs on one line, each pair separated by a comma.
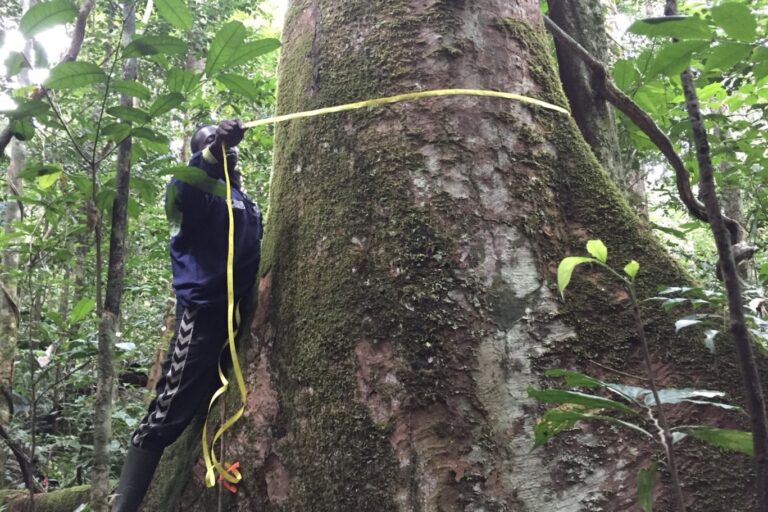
[[138, 468]]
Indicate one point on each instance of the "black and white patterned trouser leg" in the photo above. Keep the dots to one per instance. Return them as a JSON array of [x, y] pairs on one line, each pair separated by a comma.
[[189, 376]]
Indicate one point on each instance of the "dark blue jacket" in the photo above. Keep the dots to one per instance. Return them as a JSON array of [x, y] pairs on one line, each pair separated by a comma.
[[199, 225]]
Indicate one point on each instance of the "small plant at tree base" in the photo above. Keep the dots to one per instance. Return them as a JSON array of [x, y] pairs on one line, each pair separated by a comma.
[[635, 408]]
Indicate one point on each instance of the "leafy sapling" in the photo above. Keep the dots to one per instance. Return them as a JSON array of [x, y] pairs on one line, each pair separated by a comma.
[[636, 408]]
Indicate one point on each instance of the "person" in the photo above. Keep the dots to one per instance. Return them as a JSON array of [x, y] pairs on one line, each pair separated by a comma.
[[198, 249]]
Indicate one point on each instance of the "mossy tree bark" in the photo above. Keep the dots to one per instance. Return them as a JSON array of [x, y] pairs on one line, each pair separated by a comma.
[[407, 297]]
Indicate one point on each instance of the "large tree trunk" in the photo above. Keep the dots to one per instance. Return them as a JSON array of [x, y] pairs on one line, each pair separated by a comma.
[[407, 296]]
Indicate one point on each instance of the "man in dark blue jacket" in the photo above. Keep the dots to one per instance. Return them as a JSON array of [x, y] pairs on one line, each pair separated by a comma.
[[199, 223]]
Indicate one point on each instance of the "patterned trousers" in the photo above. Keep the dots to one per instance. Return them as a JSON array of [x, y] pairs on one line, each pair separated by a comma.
[[189, 376]]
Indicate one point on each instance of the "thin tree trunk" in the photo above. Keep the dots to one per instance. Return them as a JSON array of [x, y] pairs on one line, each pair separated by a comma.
[[408, 300], [9, 306], [110, 315], [9, 309]]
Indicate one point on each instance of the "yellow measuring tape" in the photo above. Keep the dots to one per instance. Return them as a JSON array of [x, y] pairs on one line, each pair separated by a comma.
[[230, 473]]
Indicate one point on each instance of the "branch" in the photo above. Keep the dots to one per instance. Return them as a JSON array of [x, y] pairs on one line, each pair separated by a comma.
[[27, 468], [74, 50], [624, 104]]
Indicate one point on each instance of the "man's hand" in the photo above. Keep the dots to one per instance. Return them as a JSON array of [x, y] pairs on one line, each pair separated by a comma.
[[230, 132]]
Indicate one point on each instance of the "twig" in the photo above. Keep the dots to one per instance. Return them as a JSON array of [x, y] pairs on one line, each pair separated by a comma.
[[26, 466], [618, 372]]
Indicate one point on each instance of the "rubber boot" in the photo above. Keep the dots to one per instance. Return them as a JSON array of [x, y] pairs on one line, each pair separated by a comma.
[[138, 468]]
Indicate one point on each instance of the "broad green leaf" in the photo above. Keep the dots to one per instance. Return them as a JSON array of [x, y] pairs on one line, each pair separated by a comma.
[[45, 15], [131, 88], [574, 379], [673, 58], [175, 12], [14, 63], [728, 439], [34, 171], [561, 396], [225, 46], [239, 85], [153, 45], [631, 268], [560, 418], [646, 481], [23, 129], [736, 19], [726, 55], [254, 49], [197, 178], [625, 74], [72, 75], [82, 309], [47, 180], [165, 103], [29, 108], [685, 322], [678, 27], [180, 80], [117, 131], [598, 249], [677, 395], [130, 114], [150, 135], [565, 269], [709, 339], [41, 57]]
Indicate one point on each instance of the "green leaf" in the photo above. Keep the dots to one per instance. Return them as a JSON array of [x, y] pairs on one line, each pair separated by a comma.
[[165, 103], [565, 269], [45, 15], [131, 88], [725, 55], [197, 178], [631, 268], [598, 249], [561, 396], [253, 49], [47, 180], [28, 108], [239, 85], [736, 19], [625, 74], [673, 58], [558, 419], [34, 171], [130, 114], [23, 129], [150, 135], [175, 12], [574, 379], [225, 46], [728, 439], [14, 63], [678, 27], [180, 80], [41, 57], [117, 131], [686, 322], [81, 309], [646, 481], [72, 75], [153, 45]]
